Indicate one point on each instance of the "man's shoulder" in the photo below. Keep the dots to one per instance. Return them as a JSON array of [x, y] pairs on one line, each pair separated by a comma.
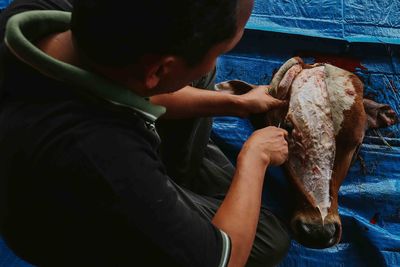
[[18, 6], [71, 124], [97, 121]]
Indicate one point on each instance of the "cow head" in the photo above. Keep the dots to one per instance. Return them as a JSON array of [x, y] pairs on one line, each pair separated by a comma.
[[326, 120]]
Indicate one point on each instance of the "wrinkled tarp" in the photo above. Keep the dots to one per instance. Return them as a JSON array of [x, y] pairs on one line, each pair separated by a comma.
[[369, 198], [4, 3], [351, 20]]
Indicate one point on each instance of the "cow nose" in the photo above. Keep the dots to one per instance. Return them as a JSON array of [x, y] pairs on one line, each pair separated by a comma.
[[318, 235]]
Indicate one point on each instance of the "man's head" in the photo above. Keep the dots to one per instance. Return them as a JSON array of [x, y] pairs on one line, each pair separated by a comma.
[[157, 40]]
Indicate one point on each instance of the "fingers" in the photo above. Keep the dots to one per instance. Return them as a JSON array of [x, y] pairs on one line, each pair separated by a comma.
[[258, 100], [281, 152], [269, 143], [265, 88], [276, 103], [278, 134], [285, 133], [280, 130]]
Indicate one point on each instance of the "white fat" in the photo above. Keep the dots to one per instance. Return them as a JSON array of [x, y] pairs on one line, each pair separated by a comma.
[[310, 107], [341, 93]]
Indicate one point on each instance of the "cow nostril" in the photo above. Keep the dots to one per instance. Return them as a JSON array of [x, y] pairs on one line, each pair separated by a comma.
[[338, 231], [335, 235], [329, 230], [318, 235], [304, 228], [333, 229]]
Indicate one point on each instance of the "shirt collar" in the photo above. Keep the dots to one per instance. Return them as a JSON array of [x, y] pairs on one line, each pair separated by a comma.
[[31, 25]]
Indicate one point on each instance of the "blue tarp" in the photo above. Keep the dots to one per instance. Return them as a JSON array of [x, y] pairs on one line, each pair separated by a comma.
[[8, 258], [360, 35], [352, 20], [4, 3]]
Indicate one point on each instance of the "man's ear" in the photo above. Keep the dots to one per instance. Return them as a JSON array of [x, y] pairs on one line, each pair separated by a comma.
[[157, 69]]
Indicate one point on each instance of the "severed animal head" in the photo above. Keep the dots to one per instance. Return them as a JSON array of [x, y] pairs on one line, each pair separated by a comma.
[[326, 119]]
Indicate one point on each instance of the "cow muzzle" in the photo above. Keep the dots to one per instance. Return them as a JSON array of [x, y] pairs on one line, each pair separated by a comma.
[[315, 233]]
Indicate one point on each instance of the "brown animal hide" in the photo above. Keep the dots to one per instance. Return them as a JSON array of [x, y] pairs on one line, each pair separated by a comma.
[[327, 117]]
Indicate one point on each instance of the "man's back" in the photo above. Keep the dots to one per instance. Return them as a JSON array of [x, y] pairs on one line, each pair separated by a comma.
[[84, 183], [58, 199]]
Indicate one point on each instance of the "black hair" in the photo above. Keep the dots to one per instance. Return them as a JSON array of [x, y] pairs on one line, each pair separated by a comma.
[[118, 32]]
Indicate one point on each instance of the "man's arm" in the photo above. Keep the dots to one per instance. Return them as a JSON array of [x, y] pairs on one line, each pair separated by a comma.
[[239, 213], [191, 102]]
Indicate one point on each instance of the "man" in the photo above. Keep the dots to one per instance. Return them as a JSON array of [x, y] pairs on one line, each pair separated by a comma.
[[79, 155]]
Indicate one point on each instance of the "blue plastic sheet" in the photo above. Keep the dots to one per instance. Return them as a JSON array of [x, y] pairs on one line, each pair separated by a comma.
[[369, 198], [4, 3], [351, 20], [8, 258]]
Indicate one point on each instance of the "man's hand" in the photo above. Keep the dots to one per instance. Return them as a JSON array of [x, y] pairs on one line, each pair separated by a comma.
[[258, 100], [191, 102], [239, 212], [267, 145]]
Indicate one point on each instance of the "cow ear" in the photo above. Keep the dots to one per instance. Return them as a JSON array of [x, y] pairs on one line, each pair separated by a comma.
[[236, 87], [239, 87], [379, 115], [283, 78]]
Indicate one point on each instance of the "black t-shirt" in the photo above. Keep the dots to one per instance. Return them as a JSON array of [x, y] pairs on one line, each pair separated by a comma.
[[84, 183]]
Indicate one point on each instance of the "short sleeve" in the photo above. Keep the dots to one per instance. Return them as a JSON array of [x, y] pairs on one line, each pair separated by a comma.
[[226, 249]]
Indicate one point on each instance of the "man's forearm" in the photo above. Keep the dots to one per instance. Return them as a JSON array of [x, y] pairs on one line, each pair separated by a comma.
[[191, 102], [239, 213]]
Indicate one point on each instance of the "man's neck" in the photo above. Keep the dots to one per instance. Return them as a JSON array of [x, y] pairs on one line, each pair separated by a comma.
[[60, 47]]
